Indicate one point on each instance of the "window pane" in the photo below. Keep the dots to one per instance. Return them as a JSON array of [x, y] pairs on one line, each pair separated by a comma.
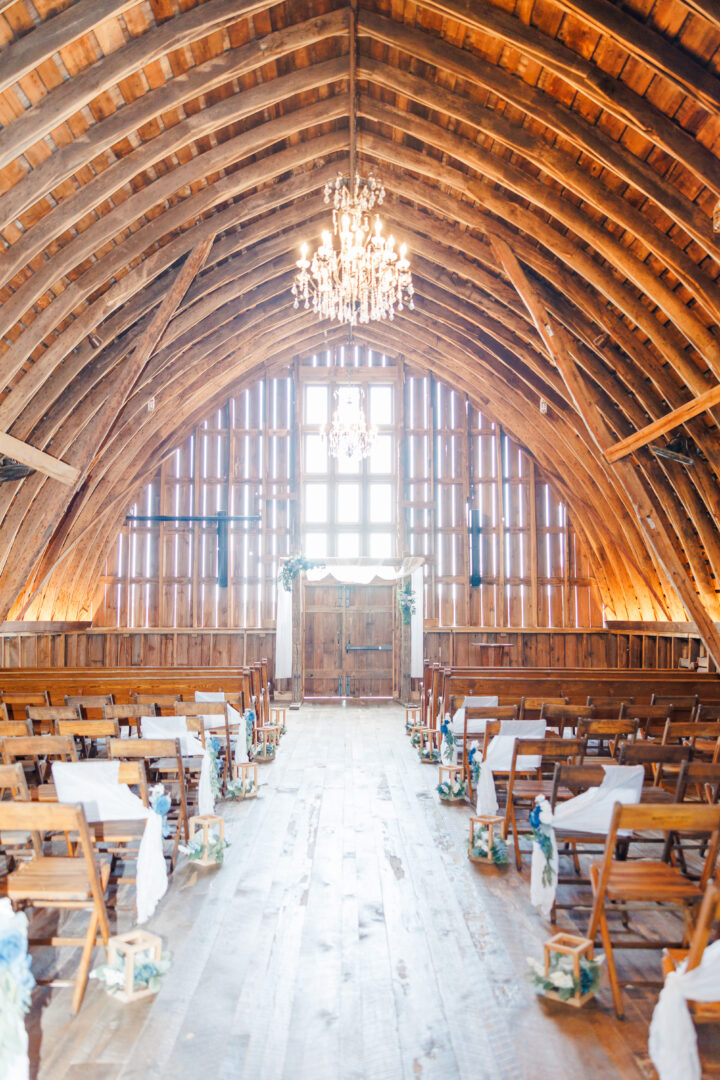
[[316, 457], [381, 405], [381, 545], [315, 545], [316, 405], [348, 545], [316, 509], [380, 460], [348, 504], [380, 503], [348, 466]]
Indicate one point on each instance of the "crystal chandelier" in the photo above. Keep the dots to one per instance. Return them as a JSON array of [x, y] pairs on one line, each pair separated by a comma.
[[366, 280], [349, 434]]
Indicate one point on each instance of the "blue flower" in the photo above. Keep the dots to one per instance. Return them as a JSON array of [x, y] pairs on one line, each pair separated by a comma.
[[12, 946], [161, 805]]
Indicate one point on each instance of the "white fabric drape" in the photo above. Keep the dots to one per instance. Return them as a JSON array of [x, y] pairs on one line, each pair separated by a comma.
[[175, 727], [499, 758], [359, 574], [14, 1059], [95, 785], [673, 1040], [416, 625], [283, 633], [589, 813], [475, 727]]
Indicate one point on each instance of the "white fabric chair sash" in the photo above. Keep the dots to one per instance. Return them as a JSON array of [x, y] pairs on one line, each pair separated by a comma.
[[588, 814], [14, 1058], [673, 1040], [175, 727], [499, 758], [95, 785]]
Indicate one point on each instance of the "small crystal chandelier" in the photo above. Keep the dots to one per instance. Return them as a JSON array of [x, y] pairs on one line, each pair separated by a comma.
[[366, 280], [349, 434]]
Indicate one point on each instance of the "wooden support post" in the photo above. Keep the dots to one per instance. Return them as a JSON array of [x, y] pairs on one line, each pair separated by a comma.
[[560, 350], [38, 459]]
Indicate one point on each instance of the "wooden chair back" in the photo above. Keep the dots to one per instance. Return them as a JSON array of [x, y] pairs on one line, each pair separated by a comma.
[[36, 747], [45, 718], [14, 729], [609, 706], [163, 703], [652, 717], [575, 778], [548, 750], [610, 731], [638, 818], [530, 707], [683, 705], [125, 713], [17, 700], [700, 777], [704, 713], [691, 731], [89, 730], [200, 708], [91, 704], [564, 715]]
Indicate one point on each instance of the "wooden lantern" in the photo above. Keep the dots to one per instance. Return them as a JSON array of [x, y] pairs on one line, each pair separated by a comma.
[[450, 773], [491, 822], [278, 718], [267, 735], [422, 731], [412, 718], [247, 773], [129, 947], [576, 947], [205, 823]]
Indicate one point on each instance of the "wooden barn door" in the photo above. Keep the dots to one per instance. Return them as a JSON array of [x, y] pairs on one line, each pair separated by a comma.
[[348, 640]]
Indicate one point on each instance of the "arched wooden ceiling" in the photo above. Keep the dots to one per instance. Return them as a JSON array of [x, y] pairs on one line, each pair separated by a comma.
[[582, 134]]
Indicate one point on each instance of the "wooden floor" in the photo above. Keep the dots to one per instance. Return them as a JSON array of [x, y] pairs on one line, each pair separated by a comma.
[[346, 936]]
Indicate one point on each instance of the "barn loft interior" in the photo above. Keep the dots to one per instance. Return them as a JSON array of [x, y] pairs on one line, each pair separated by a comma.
[[359, 539]]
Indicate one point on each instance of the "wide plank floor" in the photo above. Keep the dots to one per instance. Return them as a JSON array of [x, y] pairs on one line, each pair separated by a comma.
[[346, 937]]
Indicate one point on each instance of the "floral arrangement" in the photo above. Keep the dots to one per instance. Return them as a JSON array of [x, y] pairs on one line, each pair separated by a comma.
[[416, 738], [429, 754], [241, 789], [212, 749], [561, 979], [540, 819], [448, 740], [16, 984], [293, 566], [479, 847], [449, 790], [160, 803], [147, 974], [406, 602], [265, 750], [196, 848]]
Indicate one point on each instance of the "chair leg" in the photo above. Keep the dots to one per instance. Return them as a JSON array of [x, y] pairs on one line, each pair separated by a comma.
[[83, 969], [612, 970]]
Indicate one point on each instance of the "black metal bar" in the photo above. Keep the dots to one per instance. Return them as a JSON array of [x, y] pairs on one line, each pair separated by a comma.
[[475, 531], [367, 648], [213, 518]]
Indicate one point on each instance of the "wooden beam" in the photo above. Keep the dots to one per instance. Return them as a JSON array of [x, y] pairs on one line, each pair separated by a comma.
[[38, 459], [652, 522], [666, 423]]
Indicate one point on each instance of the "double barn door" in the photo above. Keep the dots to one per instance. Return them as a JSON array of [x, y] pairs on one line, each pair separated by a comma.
[[348, 640]]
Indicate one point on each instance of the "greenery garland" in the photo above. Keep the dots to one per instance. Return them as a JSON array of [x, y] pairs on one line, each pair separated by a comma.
[[293, 566], [406, 602]]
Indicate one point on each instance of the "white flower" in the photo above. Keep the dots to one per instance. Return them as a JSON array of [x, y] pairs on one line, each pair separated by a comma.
[[546, 814], [562, 979], [536, 966]]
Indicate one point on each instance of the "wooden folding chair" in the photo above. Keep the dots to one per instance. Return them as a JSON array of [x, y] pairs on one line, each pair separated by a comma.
[[128, 715], [36, 753], [530, 707], [163, 703], [703, 736], [487, 714], [44, 718], [707, 922], [192, 710], [14, 784], [91, 704], [522, 789], [661, 765], [163, 757], [683, 705], [651, 718], [611, 732], [90, 736], [61, 882], [15, 729], [698, 781], [628, 885], [565, 716]]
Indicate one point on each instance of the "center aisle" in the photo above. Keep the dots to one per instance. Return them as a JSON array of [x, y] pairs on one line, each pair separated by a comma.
[[346, 937]]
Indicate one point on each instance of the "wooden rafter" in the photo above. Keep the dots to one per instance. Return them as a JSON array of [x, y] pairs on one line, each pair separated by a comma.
[[666, 423], [559, 349]]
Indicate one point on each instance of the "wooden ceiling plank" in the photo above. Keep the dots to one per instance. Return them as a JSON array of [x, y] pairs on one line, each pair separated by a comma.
[[664, 544], [664, 424], [38, 459]]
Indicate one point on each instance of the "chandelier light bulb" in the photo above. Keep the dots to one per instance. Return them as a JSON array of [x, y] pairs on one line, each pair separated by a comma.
[[363, 280]]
